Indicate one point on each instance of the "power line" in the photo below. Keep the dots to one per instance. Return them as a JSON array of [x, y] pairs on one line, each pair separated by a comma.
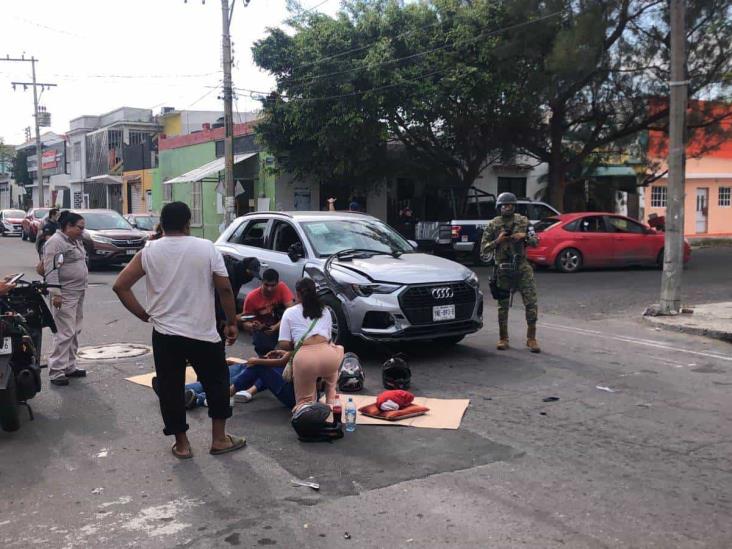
[[353, 94], [315, 7], [136, 76], [46, 27], [361, 48], [205, 95], [480, 36]]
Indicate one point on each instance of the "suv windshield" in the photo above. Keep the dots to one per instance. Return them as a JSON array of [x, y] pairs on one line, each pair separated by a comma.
[[331, 236], [100, 221], [40, 214], [14, 214], [147, 223]]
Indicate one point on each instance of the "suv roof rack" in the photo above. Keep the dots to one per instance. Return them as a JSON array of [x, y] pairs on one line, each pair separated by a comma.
[[268, 212]]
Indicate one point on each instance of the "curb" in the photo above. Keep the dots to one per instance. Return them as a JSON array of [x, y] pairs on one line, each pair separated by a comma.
[[694, 330]]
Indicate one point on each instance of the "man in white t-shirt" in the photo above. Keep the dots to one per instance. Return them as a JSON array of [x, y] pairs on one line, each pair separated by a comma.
[[182, 272]]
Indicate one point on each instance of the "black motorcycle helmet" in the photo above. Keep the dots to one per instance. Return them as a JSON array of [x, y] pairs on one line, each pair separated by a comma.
[[351, 376], [310, 422], [395, 374]]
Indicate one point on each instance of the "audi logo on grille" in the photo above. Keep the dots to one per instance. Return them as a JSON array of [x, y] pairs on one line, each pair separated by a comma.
[[442, 293]]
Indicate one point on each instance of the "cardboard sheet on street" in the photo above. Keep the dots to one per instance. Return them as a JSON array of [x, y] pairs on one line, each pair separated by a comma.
[[444, 413], [146, 379]]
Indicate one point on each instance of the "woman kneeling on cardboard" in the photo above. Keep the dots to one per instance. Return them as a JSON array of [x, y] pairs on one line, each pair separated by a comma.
[[305, 347]]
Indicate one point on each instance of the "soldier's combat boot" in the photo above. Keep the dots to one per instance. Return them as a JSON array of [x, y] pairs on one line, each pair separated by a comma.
[[503, 337], [531, 342]]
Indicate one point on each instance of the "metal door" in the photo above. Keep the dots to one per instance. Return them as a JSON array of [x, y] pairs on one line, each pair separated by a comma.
[[115, 198], [136, 197], [702, 210]]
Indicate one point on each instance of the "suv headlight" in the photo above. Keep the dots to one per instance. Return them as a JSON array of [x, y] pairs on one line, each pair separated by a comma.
[[473, 281], [365, 290], [101, 239]]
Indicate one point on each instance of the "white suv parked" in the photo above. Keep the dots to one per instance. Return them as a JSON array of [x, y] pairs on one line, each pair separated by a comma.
[[376, 285]]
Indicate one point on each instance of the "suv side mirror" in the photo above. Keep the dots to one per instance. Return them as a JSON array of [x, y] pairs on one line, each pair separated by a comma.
[[295, 252]]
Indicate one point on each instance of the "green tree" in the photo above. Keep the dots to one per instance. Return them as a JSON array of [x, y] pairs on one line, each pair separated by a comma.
[[7, 154], [20, 169], [420, 74], [463, 83], [600, 73]]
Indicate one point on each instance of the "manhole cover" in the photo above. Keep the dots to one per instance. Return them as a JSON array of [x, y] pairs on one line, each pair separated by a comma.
[[113, 351]]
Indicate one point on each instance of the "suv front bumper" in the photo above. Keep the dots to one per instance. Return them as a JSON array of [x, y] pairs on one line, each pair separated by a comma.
[[407, 315]]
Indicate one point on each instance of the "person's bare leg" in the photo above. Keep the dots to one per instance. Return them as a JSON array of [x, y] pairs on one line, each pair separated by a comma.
[[182, 444], [219, 440]]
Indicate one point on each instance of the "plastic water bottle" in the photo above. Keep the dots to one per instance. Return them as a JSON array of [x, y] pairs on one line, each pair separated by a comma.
[[350, 415]]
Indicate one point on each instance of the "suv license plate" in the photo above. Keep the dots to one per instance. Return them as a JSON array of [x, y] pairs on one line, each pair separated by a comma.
[[131, 252], [7, 346], [443, 312]]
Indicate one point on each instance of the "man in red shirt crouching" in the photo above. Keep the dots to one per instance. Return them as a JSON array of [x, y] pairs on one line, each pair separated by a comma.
[[266, 304]]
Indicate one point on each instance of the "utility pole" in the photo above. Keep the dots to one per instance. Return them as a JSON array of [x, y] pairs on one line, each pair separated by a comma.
[[227, 12], [230, 210], [39, 147], [673, 261]]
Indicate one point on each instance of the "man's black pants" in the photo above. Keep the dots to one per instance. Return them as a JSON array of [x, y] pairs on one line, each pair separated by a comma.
[[171, 353]]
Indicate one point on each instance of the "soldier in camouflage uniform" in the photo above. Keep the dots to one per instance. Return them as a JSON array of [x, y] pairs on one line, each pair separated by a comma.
[[504, 236]]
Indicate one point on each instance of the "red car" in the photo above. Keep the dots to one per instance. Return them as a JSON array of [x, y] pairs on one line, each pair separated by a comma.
[[32, 222], [596, 239]]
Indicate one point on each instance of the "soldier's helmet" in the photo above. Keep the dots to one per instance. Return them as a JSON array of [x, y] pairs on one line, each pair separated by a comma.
[[505, 198]]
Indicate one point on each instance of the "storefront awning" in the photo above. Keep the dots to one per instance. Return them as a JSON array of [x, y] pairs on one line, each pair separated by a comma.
[[213, 167], [106, 179], [613, 171]]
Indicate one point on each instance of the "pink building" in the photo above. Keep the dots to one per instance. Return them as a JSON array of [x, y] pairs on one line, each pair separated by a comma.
[[708, 186]]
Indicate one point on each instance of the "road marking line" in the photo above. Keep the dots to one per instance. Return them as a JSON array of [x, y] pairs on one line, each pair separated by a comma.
[[637, 341]]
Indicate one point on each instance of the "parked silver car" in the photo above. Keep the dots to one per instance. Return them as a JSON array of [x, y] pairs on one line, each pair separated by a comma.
[[376, 285]]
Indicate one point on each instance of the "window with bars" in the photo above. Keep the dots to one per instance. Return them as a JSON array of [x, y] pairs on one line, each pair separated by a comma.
[[725, 196], [515, 185], [196, 204], [138, 137], [658, 196]]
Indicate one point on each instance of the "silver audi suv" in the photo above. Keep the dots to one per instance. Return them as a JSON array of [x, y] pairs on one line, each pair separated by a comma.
[[376, 285]]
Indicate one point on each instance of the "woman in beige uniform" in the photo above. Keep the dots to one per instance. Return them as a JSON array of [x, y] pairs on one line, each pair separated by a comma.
[[67, 302]]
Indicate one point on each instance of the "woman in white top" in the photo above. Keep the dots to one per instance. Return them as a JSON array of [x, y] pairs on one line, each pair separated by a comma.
[[306, 330]]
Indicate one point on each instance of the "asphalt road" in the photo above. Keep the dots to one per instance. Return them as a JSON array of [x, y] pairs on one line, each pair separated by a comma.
[[635, 453], [599, 293]]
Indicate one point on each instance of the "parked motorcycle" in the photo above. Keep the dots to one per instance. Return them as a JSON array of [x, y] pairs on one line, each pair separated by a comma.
[[23, 315]]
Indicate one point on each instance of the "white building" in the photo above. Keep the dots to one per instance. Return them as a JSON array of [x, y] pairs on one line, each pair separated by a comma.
[[96, 146], [56, 189]]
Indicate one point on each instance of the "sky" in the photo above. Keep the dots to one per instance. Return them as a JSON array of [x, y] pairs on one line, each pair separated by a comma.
[[106, 54]]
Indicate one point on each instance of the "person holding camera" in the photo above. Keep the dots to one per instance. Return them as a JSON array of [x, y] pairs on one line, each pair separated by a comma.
[[263, 310], [507, 236]]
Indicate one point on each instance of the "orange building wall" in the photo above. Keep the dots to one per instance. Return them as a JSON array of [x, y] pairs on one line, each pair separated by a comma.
[[702, 173]]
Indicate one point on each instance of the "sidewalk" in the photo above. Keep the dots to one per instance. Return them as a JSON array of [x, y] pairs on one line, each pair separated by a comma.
[[711, 320]]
